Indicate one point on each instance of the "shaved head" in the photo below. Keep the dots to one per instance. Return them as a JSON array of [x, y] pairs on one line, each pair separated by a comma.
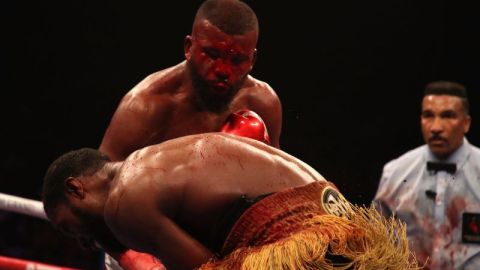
[[232, 17]]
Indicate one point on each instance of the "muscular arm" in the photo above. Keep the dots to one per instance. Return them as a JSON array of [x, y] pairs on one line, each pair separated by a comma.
[[265, 102], [136, 121], [274, 121], [138, 218], [176, 248]]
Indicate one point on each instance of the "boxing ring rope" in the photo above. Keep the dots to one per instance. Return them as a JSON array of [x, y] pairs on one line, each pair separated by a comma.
[[21, 205], [7, 263], [31, 208]]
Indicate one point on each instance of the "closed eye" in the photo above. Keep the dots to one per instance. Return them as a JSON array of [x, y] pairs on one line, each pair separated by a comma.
[[237, 59], [448, 114], [66, 230], [212, 53], [427, 114]]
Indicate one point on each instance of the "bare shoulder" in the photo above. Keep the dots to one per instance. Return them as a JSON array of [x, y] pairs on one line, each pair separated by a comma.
[[146, 174], [152, 101], [138, 191], [255, 88], [258, 96], [155, 92], [163, 82]]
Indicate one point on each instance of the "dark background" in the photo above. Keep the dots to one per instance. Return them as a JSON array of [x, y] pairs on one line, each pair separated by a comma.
[[350, 75]]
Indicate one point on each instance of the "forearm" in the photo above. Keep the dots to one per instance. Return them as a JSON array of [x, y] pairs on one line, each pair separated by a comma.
[[132, 260]]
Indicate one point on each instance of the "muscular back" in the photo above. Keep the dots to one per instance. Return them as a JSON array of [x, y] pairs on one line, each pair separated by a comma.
[[164, 106], [193, 180]]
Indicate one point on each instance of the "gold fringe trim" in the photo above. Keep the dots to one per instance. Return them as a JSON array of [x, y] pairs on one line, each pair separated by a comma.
[[366, 239]]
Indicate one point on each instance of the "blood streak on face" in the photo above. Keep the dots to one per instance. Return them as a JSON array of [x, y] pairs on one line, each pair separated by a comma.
[[219, 60]]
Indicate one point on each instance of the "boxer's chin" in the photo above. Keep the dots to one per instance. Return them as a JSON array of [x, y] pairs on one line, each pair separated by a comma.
[[220, 88]]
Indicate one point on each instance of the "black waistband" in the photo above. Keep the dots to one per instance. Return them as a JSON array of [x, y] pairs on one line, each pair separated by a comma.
[[223, 226]]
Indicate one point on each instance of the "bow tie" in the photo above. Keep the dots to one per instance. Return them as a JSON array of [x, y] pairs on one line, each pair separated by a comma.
[[450, 168]]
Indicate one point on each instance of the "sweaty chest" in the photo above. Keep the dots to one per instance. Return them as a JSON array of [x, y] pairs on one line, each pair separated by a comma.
[[186, 121]]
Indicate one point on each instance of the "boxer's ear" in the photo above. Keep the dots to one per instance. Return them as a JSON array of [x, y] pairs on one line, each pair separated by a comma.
[[74, 187], [254, 58], [187, 45]]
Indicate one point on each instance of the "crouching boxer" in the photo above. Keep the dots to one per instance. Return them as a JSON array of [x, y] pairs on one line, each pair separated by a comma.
[[219, 201], [245, 123]]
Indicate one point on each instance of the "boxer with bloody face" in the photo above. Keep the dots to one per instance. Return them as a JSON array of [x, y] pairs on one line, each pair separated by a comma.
[[210, 91], [199, 94], [218, 62]]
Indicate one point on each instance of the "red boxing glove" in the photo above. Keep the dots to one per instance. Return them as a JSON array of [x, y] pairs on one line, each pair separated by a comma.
[[246, 123], [132, 260]]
